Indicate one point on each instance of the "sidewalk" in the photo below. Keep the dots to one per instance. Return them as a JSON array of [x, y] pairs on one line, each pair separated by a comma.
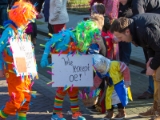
[[41, 106]]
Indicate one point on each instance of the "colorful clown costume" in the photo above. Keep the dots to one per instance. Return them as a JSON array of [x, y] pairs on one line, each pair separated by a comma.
[[117, 75], [19, 87], [68, 42]]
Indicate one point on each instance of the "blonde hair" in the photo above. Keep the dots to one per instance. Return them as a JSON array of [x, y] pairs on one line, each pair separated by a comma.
[[98, 19]]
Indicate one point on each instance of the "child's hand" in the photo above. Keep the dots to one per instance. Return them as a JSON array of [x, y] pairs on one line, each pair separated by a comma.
[[39, 16], [1, 73], [127, 83]]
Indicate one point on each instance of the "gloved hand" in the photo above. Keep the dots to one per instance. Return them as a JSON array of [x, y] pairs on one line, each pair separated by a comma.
[[44, 62]]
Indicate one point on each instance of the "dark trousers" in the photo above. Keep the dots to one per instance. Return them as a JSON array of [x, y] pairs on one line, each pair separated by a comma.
[[124, 52], [3, 15]]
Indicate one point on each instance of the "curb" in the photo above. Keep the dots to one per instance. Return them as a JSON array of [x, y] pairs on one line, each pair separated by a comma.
[[133, 61], [78, 13]]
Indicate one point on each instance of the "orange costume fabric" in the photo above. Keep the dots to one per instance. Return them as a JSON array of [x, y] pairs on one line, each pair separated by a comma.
[[19, 88], [16, 88]]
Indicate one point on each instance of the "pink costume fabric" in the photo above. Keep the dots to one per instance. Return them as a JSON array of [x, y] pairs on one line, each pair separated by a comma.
[[112, 7]]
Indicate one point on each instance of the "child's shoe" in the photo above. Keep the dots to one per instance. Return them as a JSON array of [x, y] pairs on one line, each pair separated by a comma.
[[78, 116], [121, 114], [57, 116], [109, 115]]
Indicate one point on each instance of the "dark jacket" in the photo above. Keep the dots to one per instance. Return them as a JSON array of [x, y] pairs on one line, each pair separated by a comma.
[[39, 4], [145, 31], [3, 2], [125, 10], [46, 10], [145, 6]]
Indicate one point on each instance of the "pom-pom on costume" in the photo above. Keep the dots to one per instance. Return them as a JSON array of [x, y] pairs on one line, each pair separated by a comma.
[[20, 15], [70, 42], [117, 75]]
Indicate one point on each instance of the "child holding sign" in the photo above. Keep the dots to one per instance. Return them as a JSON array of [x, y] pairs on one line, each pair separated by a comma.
[[19, 85], [72, 42], [118, 82]]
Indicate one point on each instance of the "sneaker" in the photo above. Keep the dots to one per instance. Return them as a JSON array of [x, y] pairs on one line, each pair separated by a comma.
[[57, 116], [121, 114], [145, 95], [149, 113], [78, 116], [91, 108]]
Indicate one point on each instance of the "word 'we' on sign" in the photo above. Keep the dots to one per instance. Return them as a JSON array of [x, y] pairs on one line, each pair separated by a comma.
[[72, 70]]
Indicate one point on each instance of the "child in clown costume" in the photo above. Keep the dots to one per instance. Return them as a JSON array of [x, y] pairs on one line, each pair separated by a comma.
[[117, 75], [70, 42], [20, 15]]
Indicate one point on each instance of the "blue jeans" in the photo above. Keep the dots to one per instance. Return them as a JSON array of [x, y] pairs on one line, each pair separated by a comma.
[[151, 85], [3, 15], [124, 52]]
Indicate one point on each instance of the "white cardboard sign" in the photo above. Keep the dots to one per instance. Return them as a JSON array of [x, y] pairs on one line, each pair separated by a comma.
[[23, 57], [72, 70]]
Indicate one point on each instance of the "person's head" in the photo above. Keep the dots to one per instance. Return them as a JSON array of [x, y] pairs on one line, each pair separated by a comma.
[[98, 8], [98, 18], [22, 13], [101, 63], [123, 2], [107, 24], [120, 28]]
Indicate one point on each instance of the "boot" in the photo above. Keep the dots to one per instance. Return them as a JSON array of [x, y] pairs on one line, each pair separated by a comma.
[[109, 115], [152, 112], [121, 114]]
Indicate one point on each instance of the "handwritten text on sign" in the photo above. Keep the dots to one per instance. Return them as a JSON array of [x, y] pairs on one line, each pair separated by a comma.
[[23, 57], [72, 70]]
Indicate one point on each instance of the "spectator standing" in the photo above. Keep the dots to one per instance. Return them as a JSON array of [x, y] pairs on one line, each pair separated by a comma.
[[143, 30], [58, 16], [146, 6], [125, 48]]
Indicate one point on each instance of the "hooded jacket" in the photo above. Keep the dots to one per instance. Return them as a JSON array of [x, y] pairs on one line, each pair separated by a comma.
[[145, 6], [145, 31], [125, 10]]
